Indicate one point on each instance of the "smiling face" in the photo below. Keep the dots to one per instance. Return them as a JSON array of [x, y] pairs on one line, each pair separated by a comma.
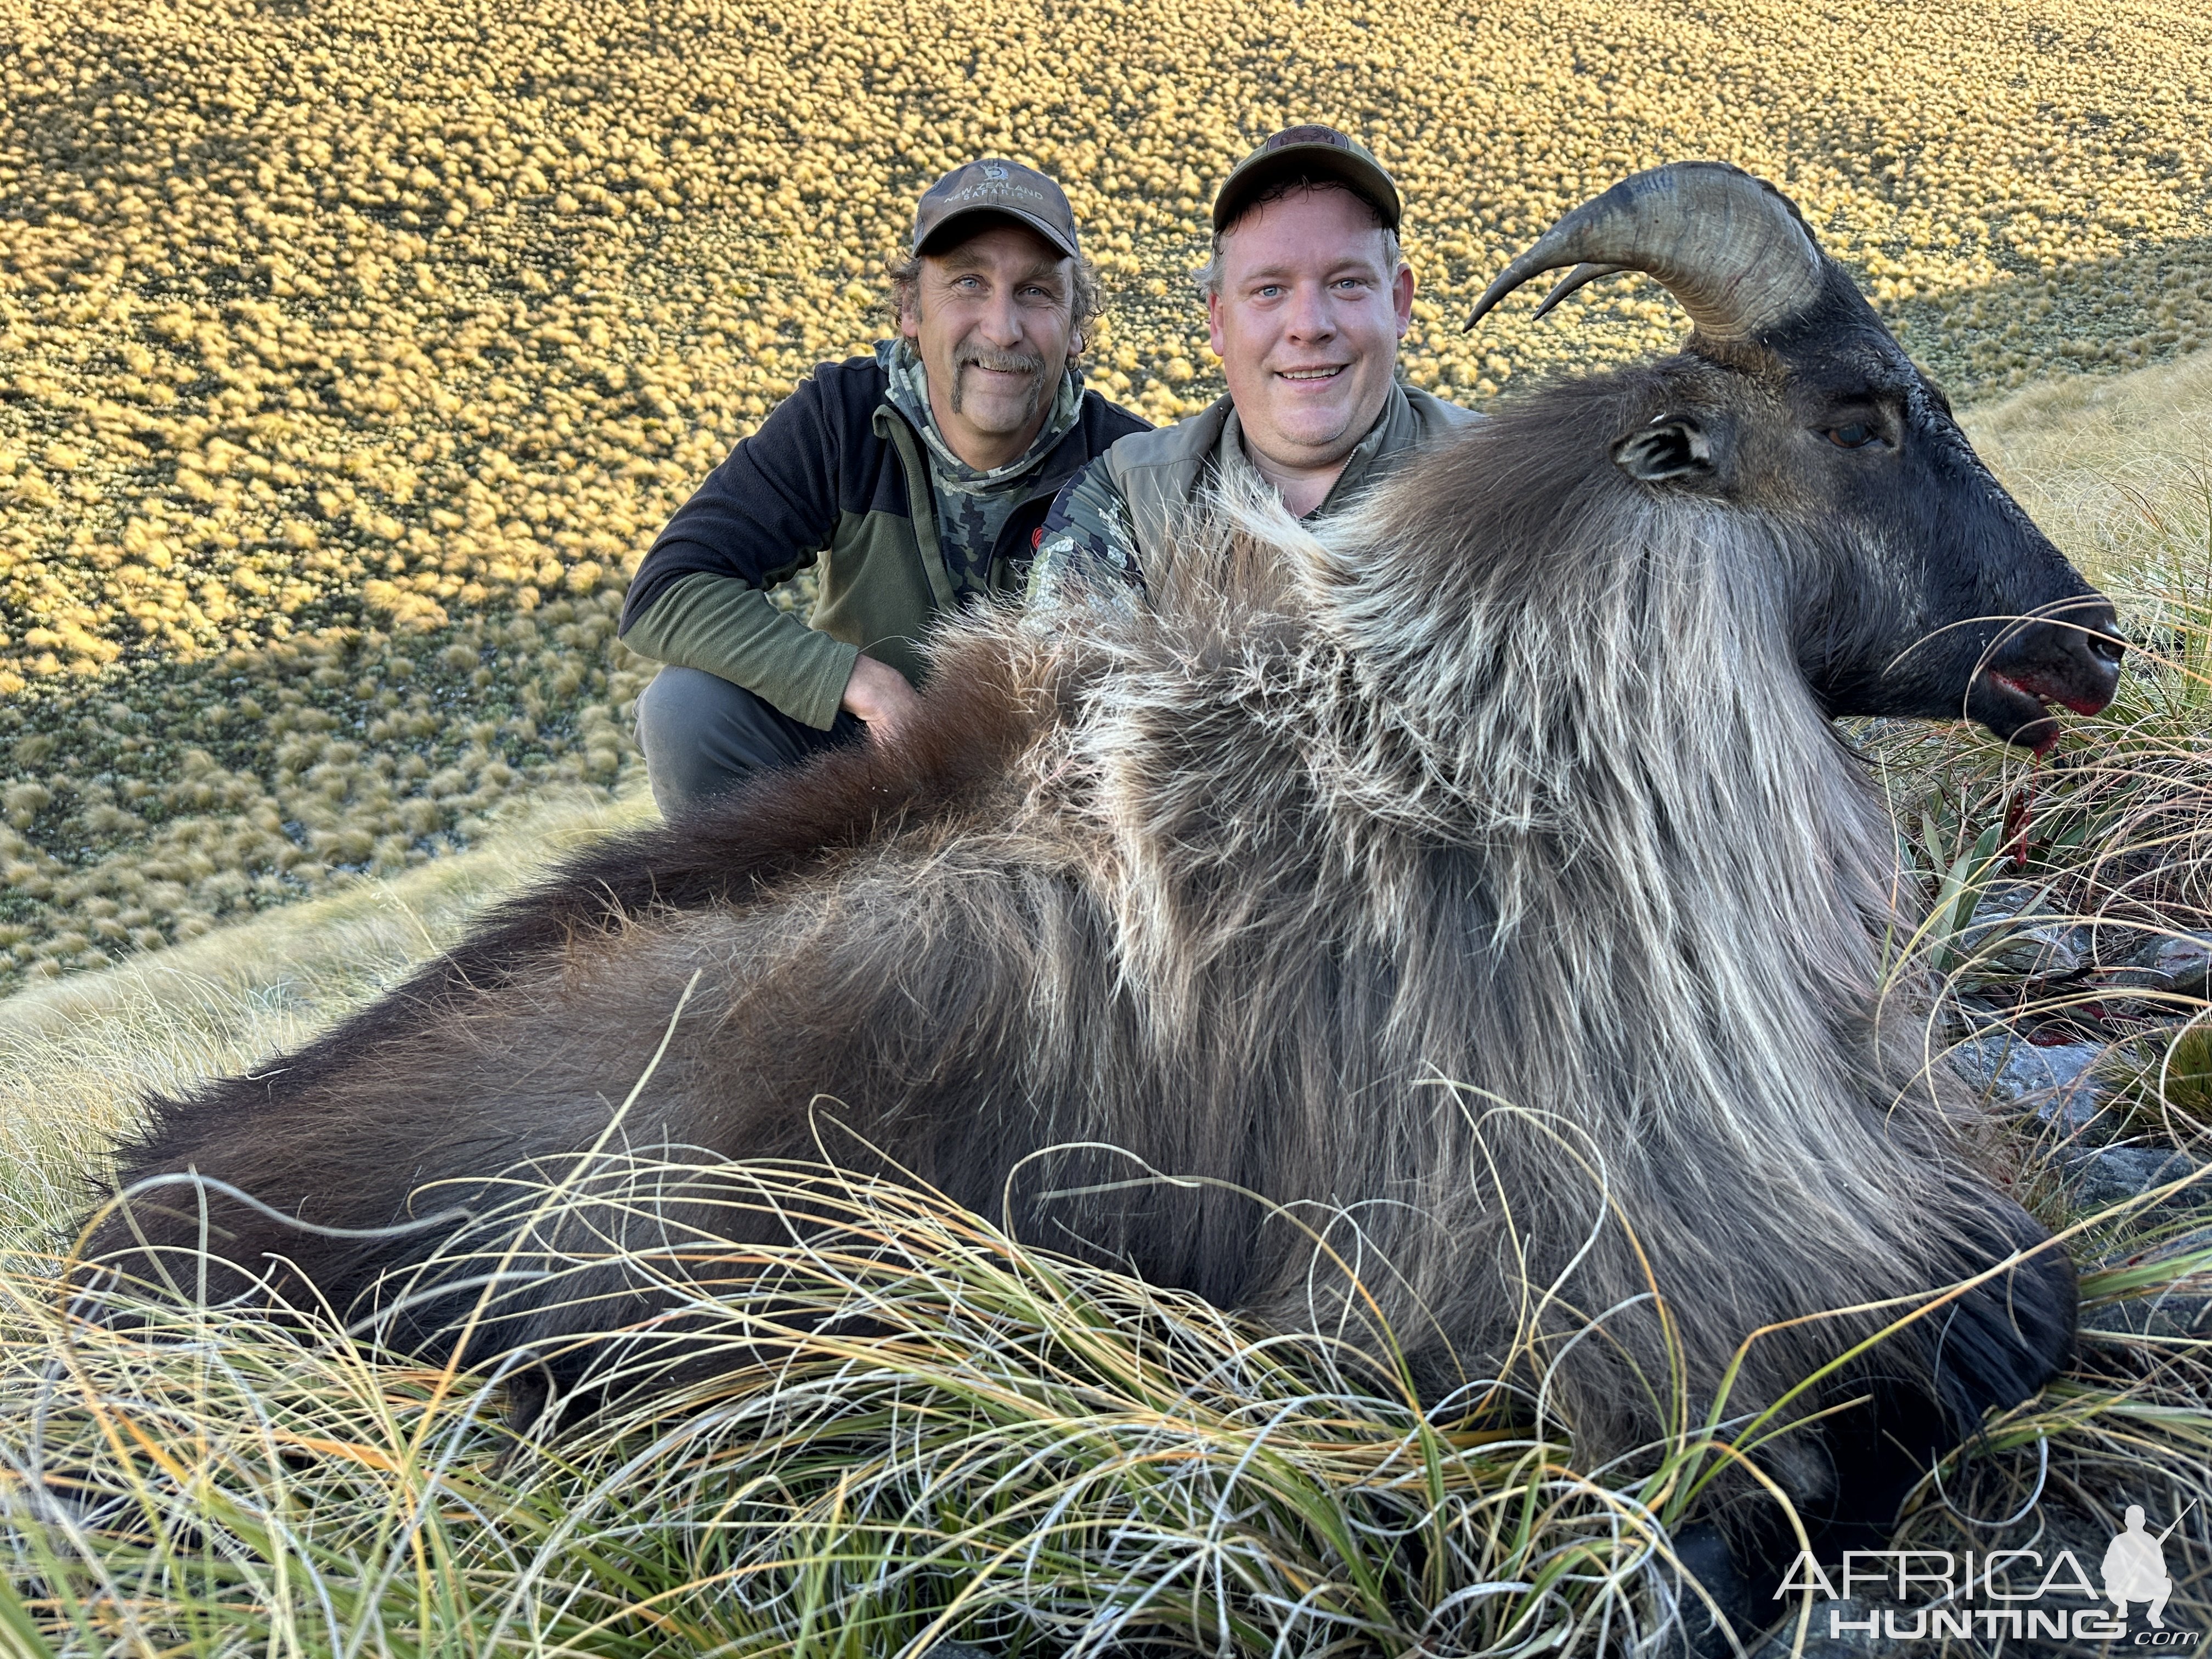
[[1306, 318], [991, 318]]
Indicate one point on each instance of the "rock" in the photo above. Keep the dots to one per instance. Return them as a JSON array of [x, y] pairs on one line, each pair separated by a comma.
[[2028, 943], [2072, 1110], [2130, 977], [2002, 899], [2000, 951], [2054, 1080], [2112, 1175], [2180, 962], [2012, 935], [2110, 945], [2168, 1316]]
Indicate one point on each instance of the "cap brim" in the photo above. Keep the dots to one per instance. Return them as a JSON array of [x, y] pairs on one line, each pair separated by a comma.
[[1325, 161], [937, 232]]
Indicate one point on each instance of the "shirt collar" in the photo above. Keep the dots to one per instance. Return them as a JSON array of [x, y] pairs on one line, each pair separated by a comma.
[[1229, 458]]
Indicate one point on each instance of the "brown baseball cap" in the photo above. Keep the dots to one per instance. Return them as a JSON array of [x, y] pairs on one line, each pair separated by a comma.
[[1319, 153], [992, 186]]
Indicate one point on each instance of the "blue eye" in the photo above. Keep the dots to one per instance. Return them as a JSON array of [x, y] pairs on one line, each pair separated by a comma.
[[1857, 435]]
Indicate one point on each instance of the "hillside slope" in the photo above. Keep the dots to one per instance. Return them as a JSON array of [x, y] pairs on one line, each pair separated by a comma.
[[351, 353], [2116, 469]]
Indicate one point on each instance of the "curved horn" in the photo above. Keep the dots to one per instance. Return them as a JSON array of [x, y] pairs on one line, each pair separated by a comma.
[[1579, 277], [1729, 248]]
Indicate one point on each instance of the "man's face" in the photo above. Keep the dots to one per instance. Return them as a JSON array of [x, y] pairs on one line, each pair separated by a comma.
[[1307, 320], [990, 320]]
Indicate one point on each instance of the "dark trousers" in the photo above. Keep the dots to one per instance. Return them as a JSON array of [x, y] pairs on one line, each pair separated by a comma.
[[702, 736]]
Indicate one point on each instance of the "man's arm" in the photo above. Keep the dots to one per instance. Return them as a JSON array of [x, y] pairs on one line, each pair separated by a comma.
[[700, 596], [1084, 543], [727, 626]]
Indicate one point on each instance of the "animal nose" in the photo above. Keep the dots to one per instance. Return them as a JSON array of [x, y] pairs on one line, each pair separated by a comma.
[[2070, 655], [2094, 634]]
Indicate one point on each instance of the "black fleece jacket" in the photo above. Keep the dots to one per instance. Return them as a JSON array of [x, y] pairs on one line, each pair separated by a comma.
[[835, 474]]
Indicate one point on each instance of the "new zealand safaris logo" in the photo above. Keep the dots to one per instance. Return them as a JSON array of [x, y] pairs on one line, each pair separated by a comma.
[[2020, 1594]]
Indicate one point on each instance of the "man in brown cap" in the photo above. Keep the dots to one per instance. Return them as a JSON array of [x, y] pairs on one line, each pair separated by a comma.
[[918, 477], [1306, 298]]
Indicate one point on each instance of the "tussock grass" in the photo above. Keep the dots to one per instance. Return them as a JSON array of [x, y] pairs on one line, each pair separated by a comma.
[[1018, 1449], [2108, 466], [192, 795], [76, 1053], [914, 1430], [351, 353]]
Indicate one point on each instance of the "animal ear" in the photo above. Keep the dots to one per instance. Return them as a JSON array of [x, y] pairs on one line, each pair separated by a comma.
[[1665, 450]]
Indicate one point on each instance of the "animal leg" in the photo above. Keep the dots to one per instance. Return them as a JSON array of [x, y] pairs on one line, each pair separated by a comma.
[[1993, 1348]]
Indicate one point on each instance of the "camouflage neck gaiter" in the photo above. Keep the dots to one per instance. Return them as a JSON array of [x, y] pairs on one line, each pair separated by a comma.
[[972, 507]]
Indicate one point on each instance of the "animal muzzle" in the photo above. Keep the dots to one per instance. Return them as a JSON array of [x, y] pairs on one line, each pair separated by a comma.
[[2068, 655]]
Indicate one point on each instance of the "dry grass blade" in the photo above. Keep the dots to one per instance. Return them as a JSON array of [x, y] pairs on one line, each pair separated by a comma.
[[898, 1426]]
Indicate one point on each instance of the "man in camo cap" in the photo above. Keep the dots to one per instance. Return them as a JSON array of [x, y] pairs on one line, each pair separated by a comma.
[[1306, 298], [916, 478]]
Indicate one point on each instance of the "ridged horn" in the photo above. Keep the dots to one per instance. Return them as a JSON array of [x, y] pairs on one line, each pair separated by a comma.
[[1730, 248]]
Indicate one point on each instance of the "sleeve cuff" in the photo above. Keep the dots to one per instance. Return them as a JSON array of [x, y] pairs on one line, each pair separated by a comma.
[[821, 693]]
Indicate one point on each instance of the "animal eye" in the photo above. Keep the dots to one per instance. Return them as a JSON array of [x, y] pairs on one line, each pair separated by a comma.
[[1857, 435]]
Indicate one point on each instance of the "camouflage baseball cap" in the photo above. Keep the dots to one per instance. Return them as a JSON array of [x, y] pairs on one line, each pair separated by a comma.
[[1319, 153], [991, 186]]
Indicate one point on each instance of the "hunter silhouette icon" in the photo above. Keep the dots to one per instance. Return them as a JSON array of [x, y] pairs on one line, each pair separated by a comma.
[[2135, 1568]]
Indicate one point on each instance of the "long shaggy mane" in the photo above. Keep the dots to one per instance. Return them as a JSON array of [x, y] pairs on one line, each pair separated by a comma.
[[1477, 882]]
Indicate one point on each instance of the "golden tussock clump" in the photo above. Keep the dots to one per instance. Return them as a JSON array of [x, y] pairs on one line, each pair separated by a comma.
[[372, 329]]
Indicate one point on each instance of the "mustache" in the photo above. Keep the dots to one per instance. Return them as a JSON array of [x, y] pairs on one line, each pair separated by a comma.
[[1006, 362]]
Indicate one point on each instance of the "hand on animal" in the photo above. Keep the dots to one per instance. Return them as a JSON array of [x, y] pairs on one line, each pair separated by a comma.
[[880, 696]]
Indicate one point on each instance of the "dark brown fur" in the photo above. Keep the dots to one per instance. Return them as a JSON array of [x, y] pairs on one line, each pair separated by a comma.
[[1482, 884]]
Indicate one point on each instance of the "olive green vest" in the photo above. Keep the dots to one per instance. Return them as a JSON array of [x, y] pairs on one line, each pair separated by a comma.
[[1161, 473]]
